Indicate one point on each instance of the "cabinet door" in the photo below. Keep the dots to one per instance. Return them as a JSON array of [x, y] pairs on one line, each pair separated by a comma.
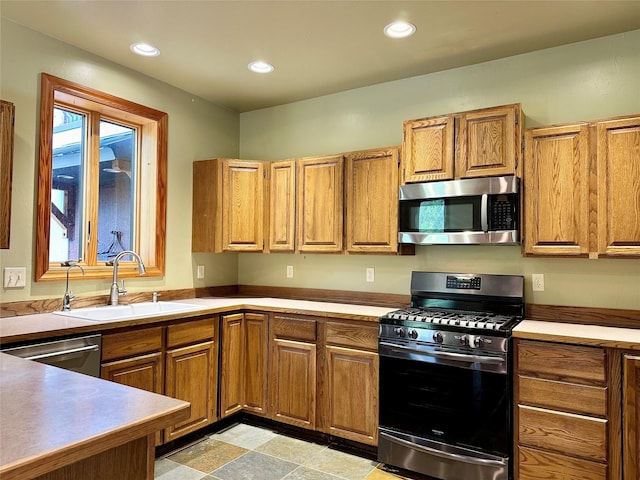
[[319, 204], [242, 206], [292, 381], [428, 150], [191, 377], [232, 364], [372, 201], [618, 174], [488, 142], [145, 372], [631, 417], [282, 206], [255, 385], [556, 188], [352, 388]]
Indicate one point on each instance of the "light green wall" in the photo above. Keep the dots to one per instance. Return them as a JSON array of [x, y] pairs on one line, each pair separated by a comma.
[[583, 81], [197, 130]]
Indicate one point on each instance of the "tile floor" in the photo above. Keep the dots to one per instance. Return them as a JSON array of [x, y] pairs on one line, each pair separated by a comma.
[[246, 452]]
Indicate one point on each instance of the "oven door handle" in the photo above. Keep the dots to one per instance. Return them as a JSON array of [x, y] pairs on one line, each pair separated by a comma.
[[447, 455], [450, 355]]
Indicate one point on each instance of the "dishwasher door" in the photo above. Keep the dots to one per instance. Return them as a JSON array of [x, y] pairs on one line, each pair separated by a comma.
[[78, 354]]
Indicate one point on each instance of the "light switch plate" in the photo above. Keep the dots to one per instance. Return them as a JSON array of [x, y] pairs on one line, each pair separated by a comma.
[[15, 277]]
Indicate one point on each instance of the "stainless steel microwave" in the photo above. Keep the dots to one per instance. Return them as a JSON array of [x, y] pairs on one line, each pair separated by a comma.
[[469, 211]]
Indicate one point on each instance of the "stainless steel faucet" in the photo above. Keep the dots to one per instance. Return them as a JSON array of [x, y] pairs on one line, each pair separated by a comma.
[[68, 295], [115, 290]]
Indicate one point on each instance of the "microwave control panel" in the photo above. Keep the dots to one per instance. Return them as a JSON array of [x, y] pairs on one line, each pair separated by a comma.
[[503, 212]]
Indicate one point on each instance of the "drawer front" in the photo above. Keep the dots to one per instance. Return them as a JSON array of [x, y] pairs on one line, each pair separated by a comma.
[[563, 432], [190, 332], [294, 328], [538, 465], [563, 361], [131, 343], [363, 336], [569, 397]]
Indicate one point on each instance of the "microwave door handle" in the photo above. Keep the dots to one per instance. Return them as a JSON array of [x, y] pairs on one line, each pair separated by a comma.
[[484, 212]]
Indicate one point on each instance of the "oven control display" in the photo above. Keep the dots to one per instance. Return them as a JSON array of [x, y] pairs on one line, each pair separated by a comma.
[[468, 283]]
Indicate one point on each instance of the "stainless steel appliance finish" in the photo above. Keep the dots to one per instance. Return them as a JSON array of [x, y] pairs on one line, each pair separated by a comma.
[[467, 211], [445, 376], [78, 354]]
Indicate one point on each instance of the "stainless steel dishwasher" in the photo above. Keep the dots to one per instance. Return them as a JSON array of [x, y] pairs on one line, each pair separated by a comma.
[[78, 354]]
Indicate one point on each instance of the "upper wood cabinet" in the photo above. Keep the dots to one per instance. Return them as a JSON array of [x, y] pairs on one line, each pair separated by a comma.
[[556, 186], [319, 215], [582, 189], [478, 143], [631, 417], [282, 206], [371, 184], [228, 206], [7, 111], [428, 149], [488, 142], [618, 175]]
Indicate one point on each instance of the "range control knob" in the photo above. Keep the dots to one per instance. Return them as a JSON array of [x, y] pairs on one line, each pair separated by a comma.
[[437, 337], [413, 333], [478, 342], [399, 332], [462, 340]]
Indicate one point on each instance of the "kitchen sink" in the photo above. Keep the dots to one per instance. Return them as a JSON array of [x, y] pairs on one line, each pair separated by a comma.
[[114, 313]]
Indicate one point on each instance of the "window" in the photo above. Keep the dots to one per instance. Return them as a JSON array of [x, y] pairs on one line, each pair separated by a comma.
[[101, 181]]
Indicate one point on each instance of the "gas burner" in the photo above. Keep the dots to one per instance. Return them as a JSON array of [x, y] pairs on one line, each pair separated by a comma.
[[482, 320]]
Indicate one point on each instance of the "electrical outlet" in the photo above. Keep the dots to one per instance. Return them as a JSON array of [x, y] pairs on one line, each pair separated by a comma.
[[537, 279], [14, 277], [200, 271], [289, 271], [371, 274]]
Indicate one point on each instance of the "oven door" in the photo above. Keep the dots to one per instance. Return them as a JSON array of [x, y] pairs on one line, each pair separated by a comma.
[[447, 417]]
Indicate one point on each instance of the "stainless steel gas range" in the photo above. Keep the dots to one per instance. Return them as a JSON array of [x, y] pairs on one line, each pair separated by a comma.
[[445, 376]]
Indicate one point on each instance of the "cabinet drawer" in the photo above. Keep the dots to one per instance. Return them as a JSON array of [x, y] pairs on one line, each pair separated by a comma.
[[294, 328], [569, 397], [363, 336], [537, 465], [563, 361], [190, 332], [131, 343], [563, 432]]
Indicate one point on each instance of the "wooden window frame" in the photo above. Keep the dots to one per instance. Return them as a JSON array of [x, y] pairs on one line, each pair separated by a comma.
[[151, 215]]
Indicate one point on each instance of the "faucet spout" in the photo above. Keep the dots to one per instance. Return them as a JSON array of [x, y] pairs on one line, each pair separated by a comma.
[[68, 295], [116, 291]]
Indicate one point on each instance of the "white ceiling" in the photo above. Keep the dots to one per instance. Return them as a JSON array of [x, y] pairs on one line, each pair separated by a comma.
[[317, 47]]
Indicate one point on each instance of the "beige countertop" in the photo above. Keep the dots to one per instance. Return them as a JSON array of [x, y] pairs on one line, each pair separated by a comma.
[[51, 417], [46, 325], [595, 335]]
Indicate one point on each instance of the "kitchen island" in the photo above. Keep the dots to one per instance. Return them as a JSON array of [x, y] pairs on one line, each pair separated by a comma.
[[56, 424]]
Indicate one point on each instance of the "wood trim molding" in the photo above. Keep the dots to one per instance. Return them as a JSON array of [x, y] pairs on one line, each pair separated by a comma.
[[320, 295], [608, 317]]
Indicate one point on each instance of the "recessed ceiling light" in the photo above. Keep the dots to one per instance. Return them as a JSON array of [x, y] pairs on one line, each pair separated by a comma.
[[144, 49], [261, 67], [399, 29]]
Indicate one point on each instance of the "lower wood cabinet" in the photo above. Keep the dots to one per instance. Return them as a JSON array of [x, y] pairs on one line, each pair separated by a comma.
[[179, 360], [567, 412], [243, 367], [292, 371], [631, 416]]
